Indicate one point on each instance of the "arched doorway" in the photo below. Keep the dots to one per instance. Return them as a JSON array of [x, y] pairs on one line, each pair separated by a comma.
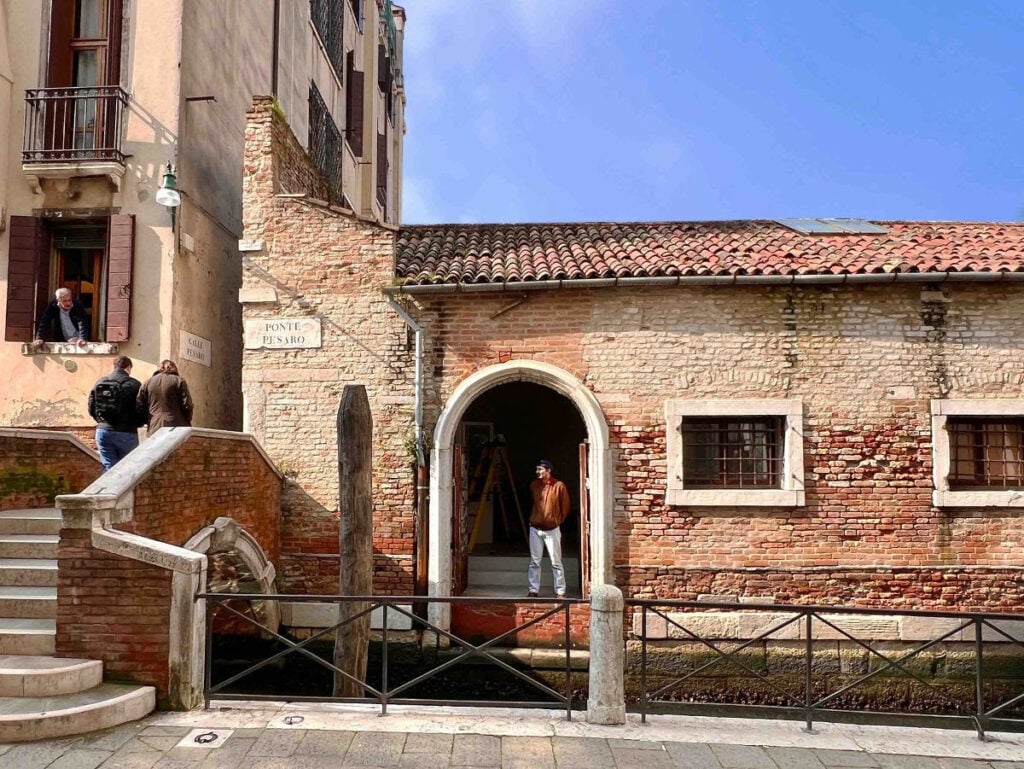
[[503, 433], [446, 434]]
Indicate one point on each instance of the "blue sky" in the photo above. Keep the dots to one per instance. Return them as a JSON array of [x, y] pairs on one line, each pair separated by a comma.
[[635, 110]]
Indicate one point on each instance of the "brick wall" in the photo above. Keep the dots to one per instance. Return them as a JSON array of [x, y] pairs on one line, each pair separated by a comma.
[[116, 609], [35, 469], [865, 361], [295, 394]]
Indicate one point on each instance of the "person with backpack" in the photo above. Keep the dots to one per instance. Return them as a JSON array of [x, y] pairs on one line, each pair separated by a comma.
[[164, 401], [112, 405]]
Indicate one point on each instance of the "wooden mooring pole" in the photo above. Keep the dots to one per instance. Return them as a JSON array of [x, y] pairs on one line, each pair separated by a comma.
[[355, 537]]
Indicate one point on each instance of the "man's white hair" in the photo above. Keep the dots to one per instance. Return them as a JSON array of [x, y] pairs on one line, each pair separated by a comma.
[[61, 292]]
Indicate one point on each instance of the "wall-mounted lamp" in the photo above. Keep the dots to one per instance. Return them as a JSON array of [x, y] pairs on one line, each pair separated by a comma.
[[168, 194]]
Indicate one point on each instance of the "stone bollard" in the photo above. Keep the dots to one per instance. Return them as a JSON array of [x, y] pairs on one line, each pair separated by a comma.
[[606, 703]]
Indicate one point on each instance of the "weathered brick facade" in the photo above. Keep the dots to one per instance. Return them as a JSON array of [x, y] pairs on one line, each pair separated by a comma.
[[865, 360], [35, 468]]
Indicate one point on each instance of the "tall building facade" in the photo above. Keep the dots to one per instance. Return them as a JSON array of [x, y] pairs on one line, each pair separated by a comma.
[[97, 98]]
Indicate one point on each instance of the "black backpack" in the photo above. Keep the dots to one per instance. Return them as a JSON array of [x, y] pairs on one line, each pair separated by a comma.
[[111, 402]]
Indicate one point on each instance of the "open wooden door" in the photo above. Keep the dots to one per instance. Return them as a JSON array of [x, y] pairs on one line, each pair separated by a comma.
[[460, 561], [584, 521]]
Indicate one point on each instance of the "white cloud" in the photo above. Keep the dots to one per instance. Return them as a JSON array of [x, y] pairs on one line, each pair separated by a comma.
[[416, 196]]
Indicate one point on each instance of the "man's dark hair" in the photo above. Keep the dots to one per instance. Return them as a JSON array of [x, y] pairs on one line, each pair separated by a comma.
[[122, 362]]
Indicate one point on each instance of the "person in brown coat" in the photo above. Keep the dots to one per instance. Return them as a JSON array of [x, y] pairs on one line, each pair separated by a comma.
[[164, 401], [550, 507]]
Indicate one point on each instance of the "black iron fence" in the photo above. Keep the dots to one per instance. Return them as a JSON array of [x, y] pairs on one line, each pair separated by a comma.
[[824, 668], [73, 124], [390, 678]]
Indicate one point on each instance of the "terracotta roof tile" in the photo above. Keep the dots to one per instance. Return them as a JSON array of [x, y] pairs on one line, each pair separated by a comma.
[[495, 253]]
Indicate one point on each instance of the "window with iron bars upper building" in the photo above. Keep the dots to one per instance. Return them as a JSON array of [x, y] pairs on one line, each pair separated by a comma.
[[328, 18], [325, 144]]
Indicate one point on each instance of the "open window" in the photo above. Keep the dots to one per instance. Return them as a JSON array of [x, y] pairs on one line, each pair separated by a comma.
[[978, 453], [734, 452], [93, 258]]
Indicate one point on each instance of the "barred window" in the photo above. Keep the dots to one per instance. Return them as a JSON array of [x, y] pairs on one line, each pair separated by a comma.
[[325, 143], [328, 20], [986, 453], [742, 452], [732, 452]]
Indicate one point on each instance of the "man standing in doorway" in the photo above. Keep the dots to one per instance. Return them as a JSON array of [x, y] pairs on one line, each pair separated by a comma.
[[550, 507]]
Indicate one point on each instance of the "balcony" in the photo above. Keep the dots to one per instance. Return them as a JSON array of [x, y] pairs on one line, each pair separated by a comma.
[[74, 132]]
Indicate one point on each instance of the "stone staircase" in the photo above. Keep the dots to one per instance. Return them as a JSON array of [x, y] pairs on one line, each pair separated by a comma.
[[505, 575], [42, 696]]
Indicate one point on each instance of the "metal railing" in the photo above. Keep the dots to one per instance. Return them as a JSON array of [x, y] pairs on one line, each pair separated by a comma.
[[388, 691], [825, 692], [74, 124]]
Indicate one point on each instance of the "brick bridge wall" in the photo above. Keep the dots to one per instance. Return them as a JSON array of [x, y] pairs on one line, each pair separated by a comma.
[[36, 466], [116, 609], [864, 359]]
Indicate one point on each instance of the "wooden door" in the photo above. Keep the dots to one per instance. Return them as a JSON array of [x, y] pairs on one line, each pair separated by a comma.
[[460, 563], [584, 521]]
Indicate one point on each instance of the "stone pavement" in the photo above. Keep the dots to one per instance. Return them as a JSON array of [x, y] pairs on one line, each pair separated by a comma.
[[280, 736]]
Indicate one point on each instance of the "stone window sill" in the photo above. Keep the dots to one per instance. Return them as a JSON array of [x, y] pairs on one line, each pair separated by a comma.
[[69, 348], [736, 497]]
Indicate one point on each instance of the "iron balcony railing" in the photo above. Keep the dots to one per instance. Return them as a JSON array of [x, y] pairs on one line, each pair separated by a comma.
[[66, 125], [820, 679], [389, 681]]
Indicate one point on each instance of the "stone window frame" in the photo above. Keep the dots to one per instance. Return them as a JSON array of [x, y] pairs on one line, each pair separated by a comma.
[[792, 492], [941, 410]]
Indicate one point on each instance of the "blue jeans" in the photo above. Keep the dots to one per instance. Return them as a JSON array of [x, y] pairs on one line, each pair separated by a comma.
[[114, 445], [552, 540]]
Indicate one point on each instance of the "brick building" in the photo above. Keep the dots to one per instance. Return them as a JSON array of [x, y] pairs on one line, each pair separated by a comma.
[[825, 411]]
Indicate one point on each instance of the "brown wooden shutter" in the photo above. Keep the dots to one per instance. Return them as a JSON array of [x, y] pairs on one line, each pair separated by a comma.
[[28, 267], [120, 248], [382, 170], [353, 106], [62, 29], [114, 24]]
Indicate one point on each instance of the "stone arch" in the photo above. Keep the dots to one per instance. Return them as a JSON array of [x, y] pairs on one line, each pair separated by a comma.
[[439, 564], [224, 534]]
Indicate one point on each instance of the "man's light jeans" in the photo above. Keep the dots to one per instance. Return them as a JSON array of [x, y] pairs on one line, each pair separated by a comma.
[[552, 540]]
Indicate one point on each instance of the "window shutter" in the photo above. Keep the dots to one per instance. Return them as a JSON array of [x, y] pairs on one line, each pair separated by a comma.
[[354, 106], [28, 265], [383, 68], [382, 171], [62, 21], [120, 248]]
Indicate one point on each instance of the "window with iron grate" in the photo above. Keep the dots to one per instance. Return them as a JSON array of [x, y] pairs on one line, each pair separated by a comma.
[[328, 20], [732, 452], [325, 144], [743, 452], [986, 453]]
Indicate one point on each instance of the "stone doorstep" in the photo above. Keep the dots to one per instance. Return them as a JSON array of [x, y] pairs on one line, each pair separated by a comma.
[[103, 706], [38, 676]]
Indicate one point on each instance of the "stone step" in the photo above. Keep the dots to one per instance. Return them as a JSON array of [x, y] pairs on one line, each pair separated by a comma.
[[42, 520], [28, 545], [28, 602], [27, 636], [36, 676], [28, 572], [513, 578], [513, 562], [103, 706]]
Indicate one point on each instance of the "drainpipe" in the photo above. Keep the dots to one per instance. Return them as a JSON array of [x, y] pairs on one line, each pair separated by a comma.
[[422, 480]]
